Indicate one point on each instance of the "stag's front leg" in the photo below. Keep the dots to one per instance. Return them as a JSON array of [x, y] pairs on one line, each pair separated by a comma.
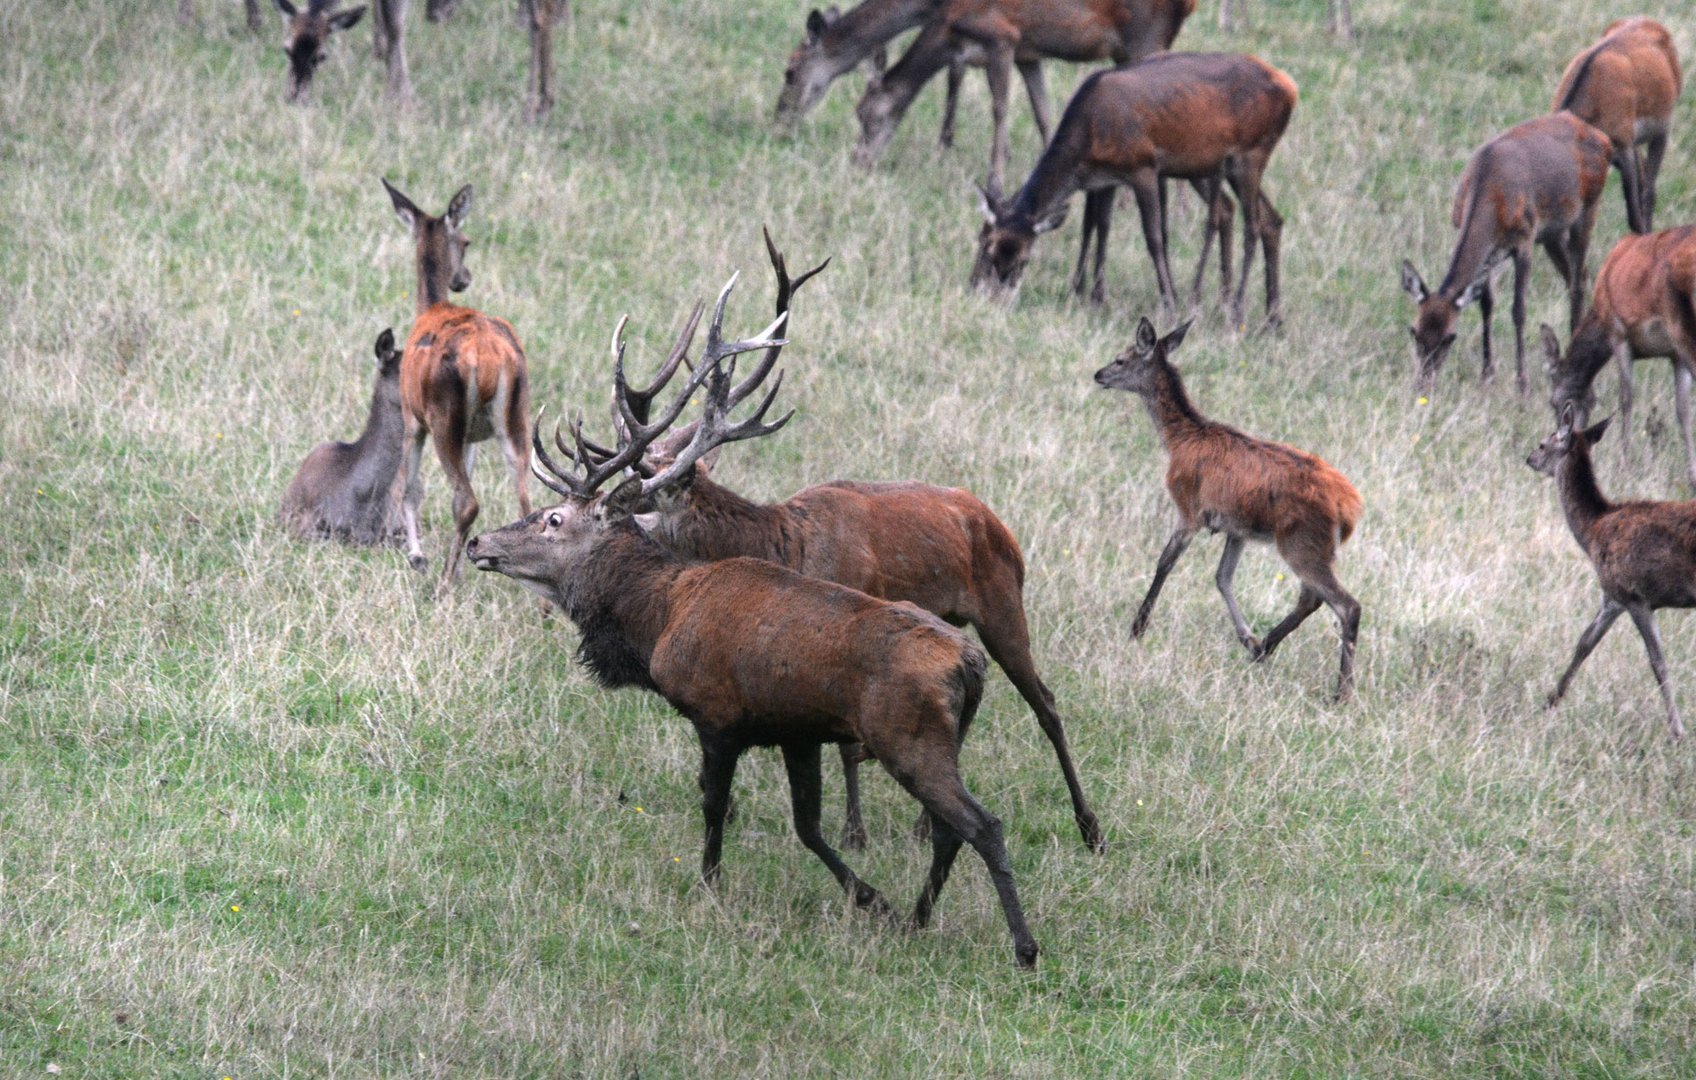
[[718, 768], [802, 763], [853, 824], [951, 101], [541, 58]]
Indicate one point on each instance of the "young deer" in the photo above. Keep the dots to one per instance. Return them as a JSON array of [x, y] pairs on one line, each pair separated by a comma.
[[1640, 307], [1625, 85], [755, 654], [1195, 116], [308, 35], [1247, 488], [1342, 22], [1644, 552], [463, 379], [1533, 184], [939, 548], [343, 490], [1011, 33]]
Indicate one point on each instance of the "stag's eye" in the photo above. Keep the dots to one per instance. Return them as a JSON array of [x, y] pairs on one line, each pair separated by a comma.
[[555, 520]]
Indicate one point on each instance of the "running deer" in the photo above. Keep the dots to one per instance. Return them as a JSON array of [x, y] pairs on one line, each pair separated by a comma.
[[463, 379], [753, 653], [1247, 488], [1537, 183], [1009, 33], [308, 35], [1625, 85], [1640, 308], [939, 548], [1644, 552], [1194, 116], [343, 490], [1342, 21]]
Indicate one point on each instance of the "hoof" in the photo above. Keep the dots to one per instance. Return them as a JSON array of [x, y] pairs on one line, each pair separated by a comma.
[[418, 563], [1025, 956], [1091, 831], [869, 899], [853, 839]]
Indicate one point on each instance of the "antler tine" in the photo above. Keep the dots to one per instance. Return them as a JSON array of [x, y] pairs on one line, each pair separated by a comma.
[[786, 289], [565, 488], [641, 401]]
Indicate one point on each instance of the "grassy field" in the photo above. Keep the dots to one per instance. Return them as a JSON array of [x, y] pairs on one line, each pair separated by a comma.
[[267, 810]]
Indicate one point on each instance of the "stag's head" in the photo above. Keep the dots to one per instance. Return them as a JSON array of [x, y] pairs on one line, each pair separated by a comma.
[[809, 71], [1567, 439], [1005, 242], [439, 241], [307, 35], [1138, 369], [1433, 328]]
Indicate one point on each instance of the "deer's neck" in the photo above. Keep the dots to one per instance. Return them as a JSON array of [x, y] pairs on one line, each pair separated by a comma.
[[1054, 178], [1175, 418], [433, 276], [910, 73], [1478, 242], [377, 451], [621, 602], [862, 29], [716, 523], [1585, 357], [1581, 497]]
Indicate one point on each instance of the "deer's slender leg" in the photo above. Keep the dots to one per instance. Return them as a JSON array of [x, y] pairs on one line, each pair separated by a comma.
[[1654, 149], [1644, 617], [1223, 578], [1175, 545], [413, 495], [1681, 402], [1145, 185], [1245, 181], [951, 100], [1036, 88], [542, 17], [455, 455], [1587, 642], [802, 763], [1486, 308], [718, 767], [853, 825], [1271, 242], [1627, 394], [1307, 602], [1631, 179], [1000, 73], [1342, 22], [399, 86]]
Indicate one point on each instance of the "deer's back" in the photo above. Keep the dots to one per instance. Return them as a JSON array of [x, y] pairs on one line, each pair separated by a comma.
[[1078, 30], [1646, 283], [459, 349], [1646, 552], [1629, 77], [1535, 177], [1225, 480]]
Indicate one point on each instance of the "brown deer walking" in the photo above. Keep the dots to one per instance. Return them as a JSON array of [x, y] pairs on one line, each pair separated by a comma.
[[1642, 305], [463, 379], [939, 548], [1194, 116], [1625, 85], [1644, 552], [1009, 34], [1247, 488], [1533, 184], [1231, 12], [754, 654], [343, 490]]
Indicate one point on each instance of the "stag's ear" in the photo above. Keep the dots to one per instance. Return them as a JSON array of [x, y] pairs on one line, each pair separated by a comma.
[[1175, 338], [1472, 292], [1413, 284], [626, 500], [408, 214], [1551, 347], [1145, 335], [342, 20], [460, 207], [1593, 434], [287, 9]]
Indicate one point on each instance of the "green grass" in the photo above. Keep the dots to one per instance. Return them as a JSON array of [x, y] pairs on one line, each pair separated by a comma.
[[266, 810]]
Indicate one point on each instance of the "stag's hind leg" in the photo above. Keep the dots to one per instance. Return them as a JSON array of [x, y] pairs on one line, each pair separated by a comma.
[[802, 763]]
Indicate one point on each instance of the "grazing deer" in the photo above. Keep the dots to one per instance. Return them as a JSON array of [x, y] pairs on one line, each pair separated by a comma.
[[939, 548], [753, 653], [463, 379], [343, 489], [1009, 33], [1247, 488], [1625, 85], [1533, 184], [836, 42], [308, 35], [1640, 307], [1195, 116], [1644, 552], [1342, 22]]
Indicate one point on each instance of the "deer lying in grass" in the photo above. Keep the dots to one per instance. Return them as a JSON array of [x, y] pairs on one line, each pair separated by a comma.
[[1644, 552], [1342, 22], [342, 490], [755, 654], [463, 379], [1009, 33], [1640, 307], [939, 548], [1625, 86], [1533, 184], [1194, 116], [1247, 488]]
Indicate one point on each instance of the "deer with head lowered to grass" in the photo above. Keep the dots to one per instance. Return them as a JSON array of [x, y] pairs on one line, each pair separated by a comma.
[[940, 548], [752, 653]]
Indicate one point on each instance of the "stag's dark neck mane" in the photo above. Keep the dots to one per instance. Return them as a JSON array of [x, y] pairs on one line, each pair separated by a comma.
[[621, 603]]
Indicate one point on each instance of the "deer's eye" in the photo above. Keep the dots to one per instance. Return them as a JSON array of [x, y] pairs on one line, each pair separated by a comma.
[[555, 520]]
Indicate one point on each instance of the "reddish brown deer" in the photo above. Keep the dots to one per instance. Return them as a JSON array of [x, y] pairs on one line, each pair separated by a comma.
[[1644, 552], [1009, 33], [1640, 307], [939, 548], [343, 490], [1194, 116], [1533, 184], [1247, 488], [1342, 21], [1625, 85], [755, 654], [308, 35], [463, 379]]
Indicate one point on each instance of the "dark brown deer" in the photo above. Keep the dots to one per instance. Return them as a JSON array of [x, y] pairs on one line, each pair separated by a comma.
[[1625, 85], [343, 490], [1640, 308], [1247, 488], [1195, 116], [755, 654], [463, 379], [1537, 183], [836, 42], [1013, 33], [1644, 552], [939, 548], [308, 36], [1342, 21]]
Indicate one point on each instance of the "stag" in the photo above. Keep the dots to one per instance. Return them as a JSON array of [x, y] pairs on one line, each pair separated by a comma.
[[939, 548], [1644, 552], [1195, 116], [463, 379], [343, 490], [1533, 184], [753, 653], [1247, 488], [1625, 86]]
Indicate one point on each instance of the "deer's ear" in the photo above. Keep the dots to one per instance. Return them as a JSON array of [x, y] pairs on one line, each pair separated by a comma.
[[625, 500], [1175, 338], [1145, 334], [1569, 414], [1551, 346], [707, 461], [1051, 222], [817, 23], [1471, 293], [342, 20], [460, 208], [986, 203], [287, 9], [1593, 434], [385, 344], [1413, 284], [404, 210]]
